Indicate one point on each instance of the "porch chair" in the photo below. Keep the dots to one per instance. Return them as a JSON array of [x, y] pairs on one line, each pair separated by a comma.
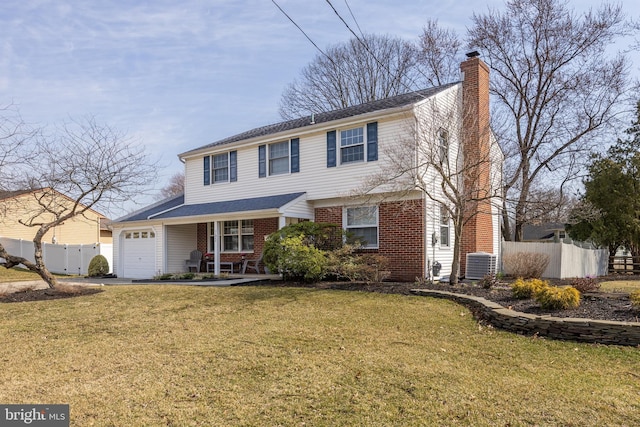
[[253, 264], [195, 258]]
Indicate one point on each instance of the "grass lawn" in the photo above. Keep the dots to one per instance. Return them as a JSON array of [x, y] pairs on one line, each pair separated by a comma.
[[16, 275], [620, 286], [253, 356]]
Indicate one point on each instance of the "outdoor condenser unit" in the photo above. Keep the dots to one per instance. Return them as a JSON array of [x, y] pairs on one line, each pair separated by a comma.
[[480, 264]]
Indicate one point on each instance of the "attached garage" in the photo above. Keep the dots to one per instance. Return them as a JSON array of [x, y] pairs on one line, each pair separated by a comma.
[[138, 254]]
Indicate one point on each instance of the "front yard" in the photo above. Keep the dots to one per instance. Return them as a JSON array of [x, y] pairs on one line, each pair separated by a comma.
[[179, 356]]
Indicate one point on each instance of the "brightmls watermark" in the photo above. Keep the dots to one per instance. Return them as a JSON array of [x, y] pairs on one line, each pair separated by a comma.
[[34, 415]]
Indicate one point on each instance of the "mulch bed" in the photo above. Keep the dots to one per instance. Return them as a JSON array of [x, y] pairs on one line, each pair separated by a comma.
[[594, 305], [47, 294]]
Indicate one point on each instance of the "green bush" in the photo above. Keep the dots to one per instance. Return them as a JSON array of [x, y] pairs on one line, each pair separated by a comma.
[[299, 251], [295, 259], [523, 289], [98, 266], [555, 298], [635, 298]]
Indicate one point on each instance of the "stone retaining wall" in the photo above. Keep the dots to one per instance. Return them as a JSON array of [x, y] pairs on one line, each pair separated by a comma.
[[562, 328]]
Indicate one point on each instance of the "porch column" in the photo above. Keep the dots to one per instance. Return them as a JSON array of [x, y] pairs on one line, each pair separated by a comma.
[[282, 221], [216, 247]]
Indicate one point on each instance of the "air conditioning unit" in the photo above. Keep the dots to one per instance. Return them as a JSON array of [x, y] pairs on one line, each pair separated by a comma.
[[480, 264]]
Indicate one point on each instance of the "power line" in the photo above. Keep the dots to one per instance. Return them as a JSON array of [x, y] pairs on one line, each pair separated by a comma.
[[303, 32]]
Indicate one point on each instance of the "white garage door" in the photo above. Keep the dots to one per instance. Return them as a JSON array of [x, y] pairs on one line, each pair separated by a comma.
[[139, 253]]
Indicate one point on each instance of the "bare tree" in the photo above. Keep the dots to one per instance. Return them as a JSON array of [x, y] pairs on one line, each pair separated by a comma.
[[439, 54], [174, 187], [366, 69], [15, 135], [449, 156], [555, 91], [93, 165]]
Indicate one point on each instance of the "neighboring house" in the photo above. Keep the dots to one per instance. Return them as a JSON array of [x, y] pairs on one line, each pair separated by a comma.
[[92, 227], [544, 232], [240, 189]]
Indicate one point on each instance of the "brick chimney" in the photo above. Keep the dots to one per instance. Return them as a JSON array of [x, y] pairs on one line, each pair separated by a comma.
[[477, 233]]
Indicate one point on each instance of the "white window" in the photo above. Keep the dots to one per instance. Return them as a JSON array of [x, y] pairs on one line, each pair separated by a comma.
[[237, 236], [444, 227], [352, 145], [362, 223], [279, 158], [220, 168], [443, 145]]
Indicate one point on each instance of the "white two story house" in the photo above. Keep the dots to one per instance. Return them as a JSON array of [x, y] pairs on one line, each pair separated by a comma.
[[240, 189]]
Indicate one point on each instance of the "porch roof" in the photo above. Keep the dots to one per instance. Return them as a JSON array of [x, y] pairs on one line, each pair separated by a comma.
[[217, 208]]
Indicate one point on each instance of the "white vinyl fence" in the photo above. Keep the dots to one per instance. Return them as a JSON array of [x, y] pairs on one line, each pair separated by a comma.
[[62, 259], [566, 260]]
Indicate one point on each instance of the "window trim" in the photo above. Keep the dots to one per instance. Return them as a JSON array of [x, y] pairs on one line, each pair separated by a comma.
[[444, 226], [362, 144], [214, 169], [442, 136], [265, 160], [231, 168], [240, 224], [347, 227]]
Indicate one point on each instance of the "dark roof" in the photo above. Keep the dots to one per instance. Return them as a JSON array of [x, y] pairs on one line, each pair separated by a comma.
[[356, 110], [543, 231], [11, 194], [231, 206], [153, 209]]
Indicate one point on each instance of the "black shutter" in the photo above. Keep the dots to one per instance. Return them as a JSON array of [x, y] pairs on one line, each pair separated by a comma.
[[372, 141], [207, 170], [233, 166], [331, 149], [295, 155], [262, 161]]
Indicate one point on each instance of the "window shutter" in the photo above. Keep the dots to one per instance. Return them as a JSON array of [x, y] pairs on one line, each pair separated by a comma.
[[331, 149], [262, 161], [372, 141], [233, 166], [207, 170], [295, 155]]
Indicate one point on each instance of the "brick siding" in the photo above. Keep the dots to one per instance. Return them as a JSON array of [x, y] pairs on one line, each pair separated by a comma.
[[477, 234]]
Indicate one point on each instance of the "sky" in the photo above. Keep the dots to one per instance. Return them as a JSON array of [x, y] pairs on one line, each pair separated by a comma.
[[177, 75]]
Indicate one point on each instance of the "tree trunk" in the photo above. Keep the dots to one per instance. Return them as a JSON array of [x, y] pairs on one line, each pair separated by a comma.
[[38, 267], [457, 243]]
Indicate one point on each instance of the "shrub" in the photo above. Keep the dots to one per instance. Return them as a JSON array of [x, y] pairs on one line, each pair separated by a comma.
[[635, 298], [489, 281], [586, 284], [555, 298], [295, 259], [98, 266], [346, 263], [187, 276], [523, 289], [525, 264]]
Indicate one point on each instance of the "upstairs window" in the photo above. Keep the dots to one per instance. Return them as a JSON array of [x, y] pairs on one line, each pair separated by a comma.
[[352, 145], [279, 158], [443, 145], [355, 145], [220, 168]]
